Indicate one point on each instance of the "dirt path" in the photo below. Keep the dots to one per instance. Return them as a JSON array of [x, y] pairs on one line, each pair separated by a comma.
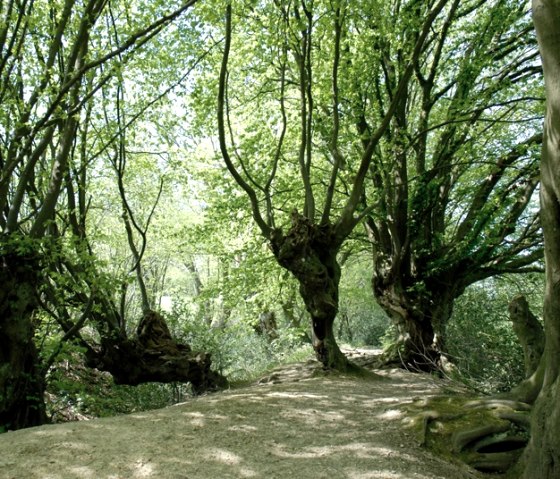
[[293, 425]]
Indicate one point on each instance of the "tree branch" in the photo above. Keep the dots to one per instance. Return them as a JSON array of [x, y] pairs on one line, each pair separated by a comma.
[[261, 223]]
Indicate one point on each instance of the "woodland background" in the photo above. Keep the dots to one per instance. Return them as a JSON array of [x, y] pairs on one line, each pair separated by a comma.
[[193, 193]]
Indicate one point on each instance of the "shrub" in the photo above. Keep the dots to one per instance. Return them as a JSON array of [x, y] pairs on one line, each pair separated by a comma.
[[480, 338]]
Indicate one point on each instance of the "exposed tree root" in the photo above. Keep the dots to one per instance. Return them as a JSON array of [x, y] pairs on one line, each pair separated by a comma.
[[488, 434], [463, 438], [495, 404], [521, 419], [496, 462], [430, 416]]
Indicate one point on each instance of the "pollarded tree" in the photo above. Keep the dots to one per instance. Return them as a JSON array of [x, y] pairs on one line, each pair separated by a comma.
[[454, 175], [542, 458], [54, 57], [284, 136]]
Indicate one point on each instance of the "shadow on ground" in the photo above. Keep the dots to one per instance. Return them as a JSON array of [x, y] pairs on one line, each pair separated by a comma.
[[293, 425]]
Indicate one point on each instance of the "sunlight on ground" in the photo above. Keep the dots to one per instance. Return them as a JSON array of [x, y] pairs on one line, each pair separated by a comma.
[[320, 428], [390, 414], [288, 394], [230, 459], [143, 469], [384, 474]]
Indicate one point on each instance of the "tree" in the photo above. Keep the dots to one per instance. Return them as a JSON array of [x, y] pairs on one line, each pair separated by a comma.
[[150, 353], [445, 181], [287, 83], [542, 458], [54, 58], [451, 199]]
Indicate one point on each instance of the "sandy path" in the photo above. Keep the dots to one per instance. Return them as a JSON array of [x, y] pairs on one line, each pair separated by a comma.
[[292, 426]]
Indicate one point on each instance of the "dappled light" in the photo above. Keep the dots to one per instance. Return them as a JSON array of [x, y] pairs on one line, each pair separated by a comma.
[[321, 427], [214, 214]]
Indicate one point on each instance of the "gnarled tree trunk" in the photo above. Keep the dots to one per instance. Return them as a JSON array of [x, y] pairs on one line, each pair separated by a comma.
[[542, 457], [420, 313], [21, 382], [309, 252], [531, 335], [414, 346], [154, 356], [529, 332]]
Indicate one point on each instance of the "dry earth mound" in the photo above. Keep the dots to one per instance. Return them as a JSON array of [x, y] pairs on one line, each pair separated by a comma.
[[296, 423]]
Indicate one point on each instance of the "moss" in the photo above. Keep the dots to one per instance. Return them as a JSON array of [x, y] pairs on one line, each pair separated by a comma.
[[454, 426]]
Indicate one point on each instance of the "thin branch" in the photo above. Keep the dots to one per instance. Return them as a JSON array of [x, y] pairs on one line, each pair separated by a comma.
[[278, 151], [262, 224], [337, 157], [303, 58], [69, 334], [347, 222]]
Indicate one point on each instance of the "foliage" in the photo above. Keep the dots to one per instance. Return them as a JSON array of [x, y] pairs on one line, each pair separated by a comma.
[[453, 183], [102, 123], [237, 350], [481, 340], [424, 118], [61, 73], [76, 392], [361, 322]]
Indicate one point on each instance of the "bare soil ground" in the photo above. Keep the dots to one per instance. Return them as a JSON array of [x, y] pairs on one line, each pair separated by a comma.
[[296, 423]]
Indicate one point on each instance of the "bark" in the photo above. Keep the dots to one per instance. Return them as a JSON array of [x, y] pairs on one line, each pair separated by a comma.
[[309, 252], [529, 332], [21, 382], [528, 390], [420, 313], [154, 356], [542, 457], [267, 325]]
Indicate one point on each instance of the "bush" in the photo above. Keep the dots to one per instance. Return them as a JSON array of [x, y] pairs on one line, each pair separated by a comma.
[[480, 338], [238, 352]]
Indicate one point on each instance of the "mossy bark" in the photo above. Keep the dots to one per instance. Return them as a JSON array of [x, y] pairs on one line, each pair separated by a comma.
[[542, 458], [21, 382]]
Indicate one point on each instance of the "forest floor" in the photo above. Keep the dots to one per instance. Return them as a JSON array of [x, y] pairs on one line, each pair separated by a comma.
[[295, 423]]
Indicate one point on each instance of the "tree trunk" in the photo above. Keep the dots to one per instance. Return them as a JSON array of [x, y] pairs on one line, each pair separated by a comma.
[[542, 458], [308, 251], [529, 332], [420, 316], [267, 326], [154, 356], [528, 390], [21, 382], [414, 347]]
